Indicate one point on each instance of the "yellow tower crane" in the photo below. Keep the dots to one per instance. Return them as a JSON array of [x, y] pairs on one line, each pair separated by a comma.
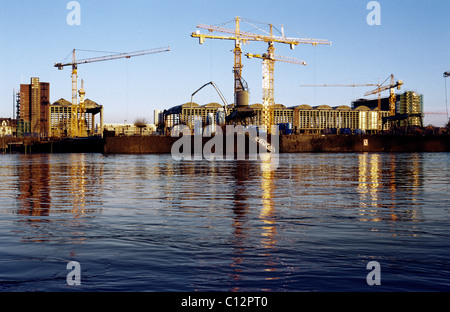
[[241, 37], [77, 126], [268, 68], [82, 122], [341, 85], [392, 98]]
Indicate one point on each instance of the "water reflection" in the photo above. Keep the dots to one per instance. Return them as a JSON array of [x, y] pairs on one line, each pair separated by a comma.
[[246, 175], [49, 185], [389, 187], [224, 225], [34, 187], [269, 233], [240, 175]]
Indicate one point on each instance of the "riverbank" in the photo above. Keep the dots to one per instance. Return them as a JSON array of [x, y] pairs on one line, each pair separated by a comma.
[[295, 143], [299, 143]]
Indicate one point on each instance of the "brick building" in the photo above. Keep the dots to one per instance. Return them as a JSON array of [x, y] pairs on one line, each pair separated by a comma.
[[35, 107]]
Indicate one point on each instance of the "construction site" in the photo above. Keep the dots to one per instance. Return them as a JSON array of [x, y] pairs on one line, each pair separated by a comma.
[[78, 125]]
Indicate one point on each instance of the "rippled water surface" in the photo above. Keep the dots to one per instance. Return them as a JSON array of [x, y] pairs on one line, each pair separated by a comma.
[[150, 223]]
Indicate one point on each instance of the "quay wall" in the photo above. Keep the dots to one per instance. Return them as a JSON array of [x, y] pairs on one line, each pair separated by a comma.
[[154, 144], [295, 143], [298, 144], [364, 143]]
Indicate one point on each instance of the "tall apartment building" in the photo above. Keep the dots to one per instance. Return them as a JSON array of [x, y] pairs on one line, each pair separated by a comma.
[[35, 107]]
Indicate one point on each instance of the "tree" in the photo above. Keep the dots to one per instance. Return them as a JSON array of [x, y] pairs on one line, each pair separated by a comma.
[[140, 123]]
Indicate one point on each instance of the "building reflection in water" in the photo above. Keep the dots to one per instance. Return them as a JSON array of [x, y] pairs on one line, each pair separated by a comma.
[[50, 186], [267, 214], [34, 186], [243, 187], [246, 174], [379, 179], [240, 175]]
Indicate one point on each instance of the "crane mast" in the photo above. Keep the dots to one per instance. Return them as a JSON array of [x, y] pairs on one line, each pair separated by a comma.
[[241, 37], [77, 123], [237, 67], [392, 98], [73, 131], [268, 69], [237, 37]]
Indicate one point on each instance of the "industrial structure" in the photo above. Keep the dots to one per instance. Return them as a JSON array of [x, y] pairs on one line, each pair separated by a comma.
[[268, 69], [37, 117], [391, 87], [298, 119], [241, 111], [408, 107], [61, 113], [77, 123]]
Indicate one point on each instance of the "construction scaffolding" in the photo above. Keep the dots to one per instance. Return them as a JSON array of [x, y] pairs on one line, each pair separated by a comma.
[[61, 118]]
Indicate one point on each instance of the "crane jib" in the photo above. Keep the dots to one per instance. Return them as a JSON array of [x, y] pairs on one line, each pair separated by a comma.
[[112, 57]]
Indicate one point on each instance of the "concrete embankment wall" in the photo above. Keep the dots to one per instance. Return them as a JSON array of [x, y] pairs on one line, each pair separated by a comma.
[[297, 144], [34, 146], [364, 143], [154, 144]]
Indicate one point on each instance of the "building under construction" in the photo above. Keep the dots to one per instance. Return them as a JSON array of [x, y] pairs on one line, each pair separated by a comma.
[[408, 107], [61, 118], [38, 118], [298, 119], [33, 113], [411, 104]]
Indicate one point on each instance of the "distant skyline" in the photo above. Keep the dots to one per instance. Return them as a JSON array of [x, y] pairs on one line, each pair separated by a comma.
[[411, 42]]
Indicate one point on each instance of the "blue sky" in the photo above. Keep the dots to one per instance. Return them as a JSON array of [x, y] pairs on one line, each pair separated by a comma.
[[412, 42]]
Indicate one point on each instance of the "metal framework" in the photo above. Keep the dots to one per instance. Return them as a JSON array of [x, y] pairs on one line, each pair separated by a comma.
[[268, 81], [240, 37], [77, 127], [392, 96]]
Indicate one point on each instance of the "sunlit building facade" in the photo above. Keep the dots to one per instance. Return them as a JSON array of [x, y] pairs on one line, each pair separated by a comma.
[[304, 118], [411, 103], [34, 107], [316, 119], [61, 116]]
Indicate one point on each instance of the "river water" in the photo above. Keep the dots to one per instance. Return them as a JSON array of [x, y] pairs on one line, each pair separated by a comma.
[[151, 223]]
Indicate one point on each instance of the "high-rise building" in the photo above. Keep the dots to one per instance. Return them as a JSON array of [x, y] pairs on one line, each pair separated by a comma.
[[35, 107], [411, 103]]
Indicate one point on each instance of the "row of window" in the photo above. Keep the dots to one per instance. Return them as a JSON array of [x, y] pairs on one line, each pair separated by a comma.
[[305, 119]]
